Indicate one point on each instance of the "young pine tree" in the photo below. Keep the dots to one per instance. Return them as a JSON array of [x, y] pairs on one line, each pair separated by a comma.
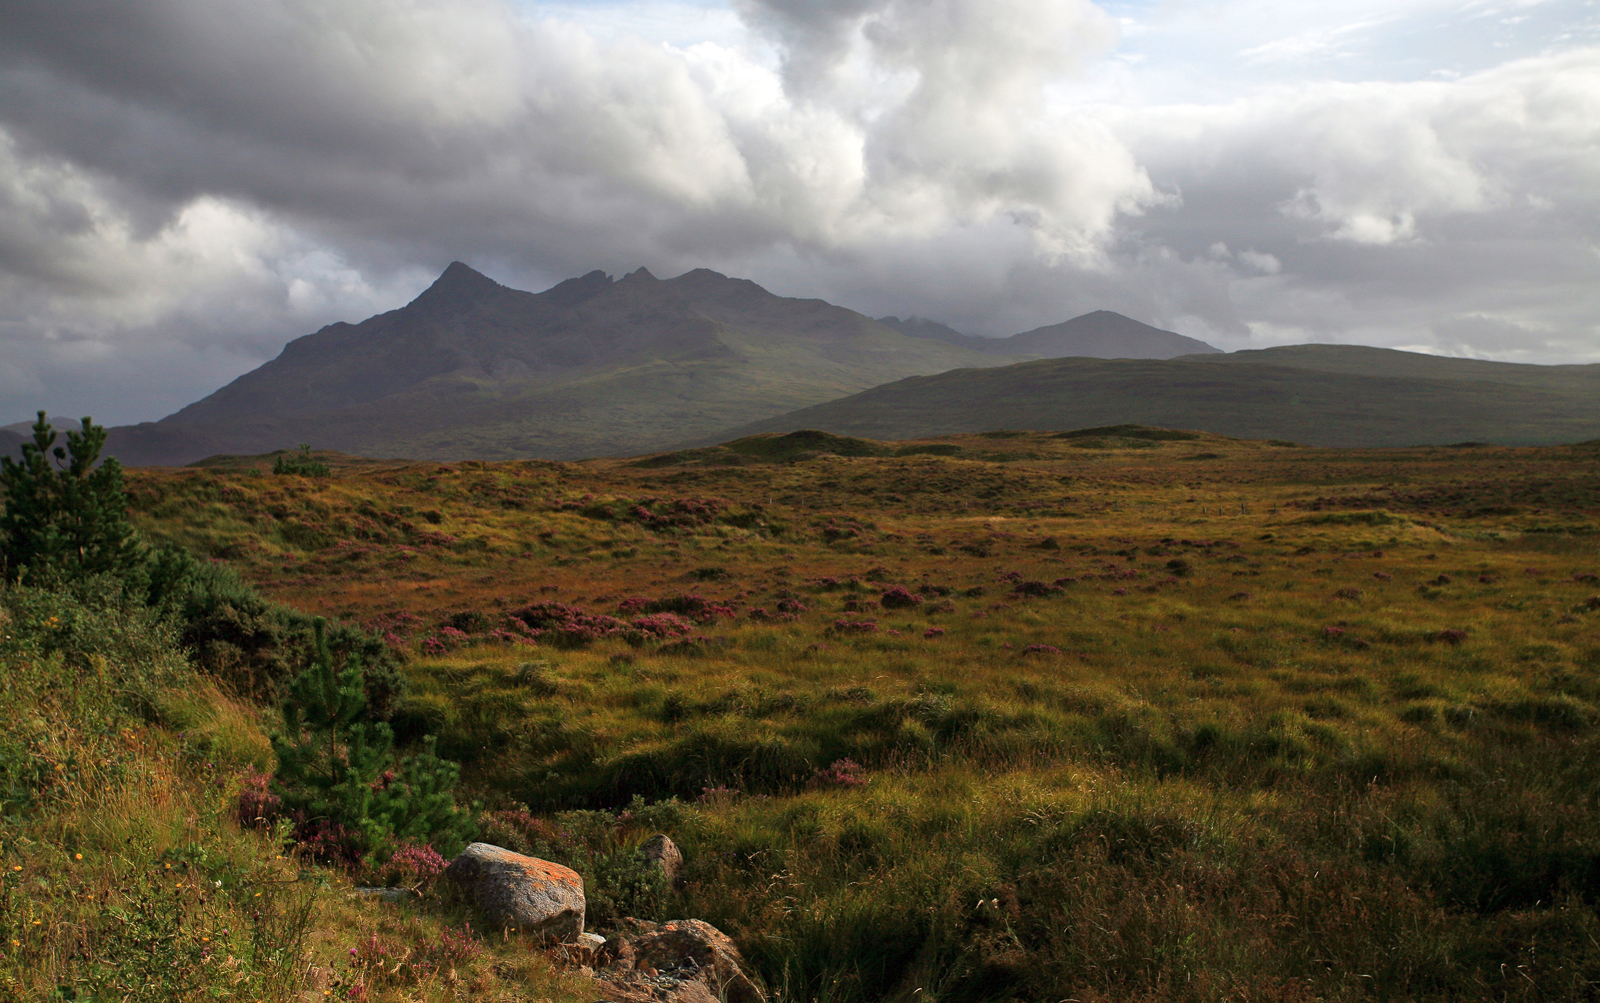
[[69, 517], [334, 768]]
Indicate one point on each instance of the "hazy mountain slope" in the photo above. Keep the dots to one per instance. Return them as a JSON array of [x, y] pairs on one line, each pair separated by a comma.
[[1098, 335], [922, 327], [1244, 399], [473, 368], [1103, 335]]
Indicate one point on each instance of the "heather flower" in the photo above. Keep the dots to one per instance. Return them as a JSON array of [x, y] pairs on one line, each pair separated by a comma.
[[257, 805], [899, 597], [840, 773], [855, 626], [412, 865]]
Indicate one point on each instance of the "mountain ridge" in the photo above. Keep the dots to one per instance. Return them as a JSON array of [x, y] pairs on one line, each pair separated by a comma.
[[471, 368]]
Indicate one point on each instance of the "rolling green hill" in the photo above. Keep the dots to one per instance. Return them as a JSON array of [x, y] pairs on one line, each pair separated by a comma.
[[1328, 395]]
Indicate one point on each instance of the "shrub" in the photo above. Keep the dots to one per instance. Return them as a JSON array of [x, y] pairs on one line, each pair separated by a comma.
[[621, 882], [300, 464], [840, 773], [336, 774], [251, 643], [256, 804], [66, 521], [412, 865], [899, 597], [697, 607], [856, 626]]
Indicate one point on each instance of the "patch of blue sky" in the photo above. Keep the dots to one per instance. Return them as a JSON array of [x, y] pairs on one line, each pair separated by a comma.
[[1189, 50]]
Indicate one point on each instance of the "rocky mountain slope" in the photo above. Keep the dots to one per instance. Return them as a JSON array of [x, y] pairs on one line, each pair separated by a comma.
[[593, 366]]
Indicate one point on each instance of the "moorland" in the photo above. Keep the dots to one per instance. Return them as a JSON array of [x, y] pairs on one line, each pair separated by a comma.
[[1125, 713]]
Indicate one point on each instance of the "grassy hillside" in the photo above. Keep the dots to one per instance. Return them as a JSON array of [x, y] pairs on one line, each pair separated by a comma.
[[1121, 714], [1361, 360], [1329, 398], [128, 870]]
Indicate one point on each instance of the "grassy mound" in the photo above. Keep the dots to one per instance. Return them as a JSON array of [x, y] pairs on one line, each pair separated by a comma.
[[125, 871]]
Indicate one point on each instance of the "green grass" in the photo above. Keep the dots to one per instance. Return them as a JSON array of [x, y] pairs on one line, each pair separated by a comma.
[[124, 871], [1303, 723]]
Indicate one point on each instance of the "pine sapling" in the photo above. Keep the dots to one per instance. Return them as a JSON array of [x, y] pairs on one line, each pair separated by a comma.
[[335, 769], [68, 517]]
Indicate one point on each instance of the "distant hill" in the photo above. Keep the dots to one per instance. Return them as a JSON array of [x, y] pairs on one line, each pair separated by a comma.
[[12, 436], [592, 366], [1328, 395], [1098, 335], [1361, 360]]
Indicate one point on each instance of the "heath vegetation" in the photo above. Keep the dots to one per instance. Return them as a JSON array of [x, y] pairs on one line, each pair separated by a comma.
[[1116, 714]]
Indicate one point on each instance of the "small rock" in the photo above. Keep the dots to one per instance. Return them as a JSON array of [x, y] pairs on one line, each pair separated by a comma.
[[697, 946], [585, 952], [662, 852], [521, 892]]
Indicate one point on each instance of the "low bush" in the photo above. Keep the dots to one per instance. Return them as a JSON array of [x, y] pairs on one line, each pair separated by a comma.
[[300, 464], [338, 780]]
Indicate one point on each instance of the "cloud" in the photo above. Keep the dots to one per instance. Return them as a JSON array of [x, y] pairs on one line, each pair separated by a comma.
[[952, 100], [178, 151], [185, 185], [1389, 206]]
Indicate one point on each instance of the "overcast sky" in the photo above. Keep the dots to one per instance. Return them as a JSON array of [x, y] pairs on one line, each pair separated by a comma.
[[185, 185]]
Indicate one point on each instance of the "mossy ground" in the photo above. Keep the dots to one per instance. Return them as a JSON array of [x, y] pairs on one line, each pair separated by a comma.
[[1182, 718]]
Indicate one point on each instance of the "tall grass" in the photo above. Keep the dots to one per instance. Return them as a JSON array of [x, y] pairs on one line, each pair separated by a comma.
[[1197, 720], [124, 871]]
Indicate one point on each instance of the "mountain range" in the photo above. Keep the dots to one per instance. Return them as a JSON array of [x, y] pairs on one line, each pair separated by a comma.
[[599, 366], [592, 366]]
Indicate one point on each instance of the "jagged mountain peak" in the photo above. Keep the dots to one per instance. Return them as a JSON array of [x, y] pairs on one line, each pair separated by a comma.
[[459, 275], [571, 292], [457, 284]]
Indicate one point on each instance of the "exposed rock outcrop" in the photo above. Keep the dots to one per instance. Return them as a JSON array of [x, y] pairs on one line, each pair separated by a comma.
[[525, 893]]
